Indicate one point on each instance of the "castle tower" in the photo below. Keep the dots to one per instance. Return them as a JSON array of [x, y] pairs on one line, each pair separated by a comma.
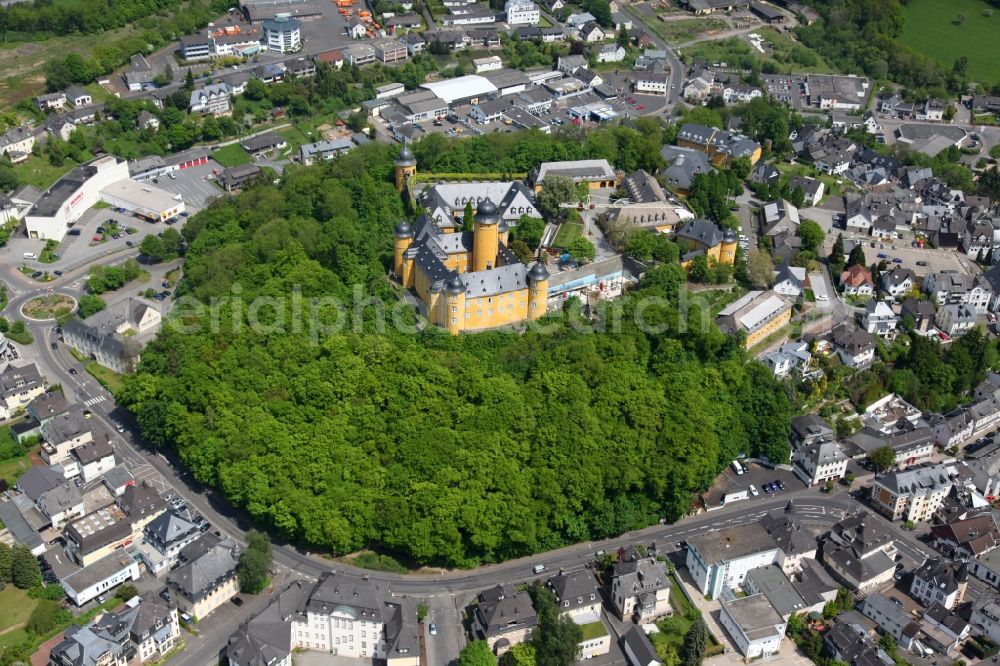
[[727, 253], [502, 231], [486, 236], [403, 237], [538, 290], [406, 168], [454, 306]]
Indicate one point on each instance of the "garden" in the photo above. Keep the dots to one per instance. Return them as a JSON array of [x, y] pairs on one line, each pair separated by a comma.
[[51, 306]]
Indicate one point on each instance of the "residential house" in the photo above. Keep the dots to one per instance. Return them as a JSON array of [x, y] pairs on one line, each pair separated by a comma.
[[78, 96], [859, 552], [796, 542], [640, 589], [90, 460], [879, 319], [810, 429], [850, 643], [778, 216], [114, 336], [920, 311], [147, 121], [97, 534], [943, 630], [682, 165], [235, 178], [140, 504], [19, 386], [264, 144], [977, 240], [163, 539], [968, 537], [721, 147], [591, 33], [17, 143], [789, 357], [764, 174], [857, 281], [937, 581], [812, 188], [213, 99], [985, 619], [891, 618], [855, 346], [820, 462], [898, 282], [503, 617], [578, 599], [609, 53], [63, 433], [522, 12], [955, 319], [721, 560], [789, 280], [951, 287], [52, 102], [754, 625], [207, 578], [60, 127], [914, 494]]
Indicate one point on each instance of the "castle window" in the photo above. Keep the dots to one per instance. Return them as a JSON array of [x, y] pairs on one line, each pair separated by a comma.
[[454, 308], [454, 321]]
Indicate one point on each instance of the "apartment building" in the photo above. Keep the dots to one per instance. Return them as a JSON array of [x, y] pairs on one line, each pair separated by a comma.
[[914, 494], [721, 560]]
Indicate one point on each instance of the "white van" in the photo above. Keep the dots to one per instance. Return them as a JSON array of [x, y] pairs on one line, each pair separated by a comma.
[[738, 468], [539, 568], [30, 255]]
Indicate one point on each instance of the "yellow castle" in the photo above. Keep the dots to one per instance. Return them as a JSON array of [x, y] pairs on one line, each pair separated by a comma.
[[468, 281]]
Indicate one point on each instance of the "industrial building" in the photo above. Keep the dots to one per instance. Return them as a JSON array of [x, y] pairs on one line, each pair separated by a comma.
[[143, 199], [63, 203]]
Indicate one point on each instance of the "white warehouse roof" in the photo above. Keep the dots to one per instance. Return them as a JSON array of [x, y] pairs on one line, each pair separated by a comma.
[[461, 87]]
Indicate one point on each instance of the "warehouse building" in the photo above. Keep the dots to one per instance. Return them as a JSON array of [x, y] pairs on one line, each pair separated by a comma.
[[63, 203], [143, 199]]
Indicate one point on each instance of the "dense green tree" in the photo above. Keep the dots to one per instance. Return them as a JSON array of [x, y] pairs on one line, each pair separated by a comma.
[[88, 304], [695, 643], [883, 458], [6, 561], [857, 256], [698, 270], [556, 190], [24, 570], [468, 218], [522, 654], [255, 562], [46, 616], [582, 250], [812, 235], [477, 653], [557, 638], [528, 229], [760, 268], [837, 253]]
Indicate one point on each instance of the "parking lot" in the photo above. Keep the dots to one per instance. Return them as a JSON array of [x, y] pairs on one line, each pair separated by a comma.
[[930, 260], [757, 476], [196, 185]]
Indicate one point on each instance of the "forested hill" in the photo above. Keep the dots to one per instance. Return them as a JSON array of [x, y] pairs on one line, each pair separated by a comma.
[[452, 451]]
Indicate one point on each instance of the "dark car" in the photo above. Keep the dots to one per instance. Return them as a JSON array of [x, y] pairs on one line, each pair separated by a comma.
[[165, 293], [165, 284], [237, 601], [129, 244], [897, 260], [55, 345], [921, 263], [99, 230], [36, 274], [57, 273], [72, 371], [73, 232]]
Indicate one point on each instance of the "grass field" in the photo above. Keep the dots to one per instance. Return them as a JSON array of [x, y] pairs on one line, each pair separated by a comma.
[[37, 171], [678, 32], [933, 28], [231, 155], [568, 232], [15, 606], [109, 379]]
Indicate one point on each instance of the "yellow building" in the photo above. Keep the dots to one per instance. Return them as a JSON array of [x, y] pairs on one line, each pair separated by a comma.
[[756, 315], [469, 281], [721, 147], [596, 174], [406, 168], [704, 237]]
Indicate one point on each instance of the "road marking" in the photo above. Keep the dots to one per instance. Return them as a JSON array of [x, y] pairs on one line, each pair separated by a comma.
[[94, 401]]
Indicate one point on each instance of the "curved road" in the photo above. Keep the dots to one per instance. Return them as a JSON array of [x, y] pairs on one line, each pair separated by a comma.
[[814, 506]]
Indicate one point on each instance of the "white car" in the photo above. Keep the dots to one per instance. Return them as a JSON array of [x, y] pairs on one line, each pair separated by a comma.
[[753, 490], [821, 297]]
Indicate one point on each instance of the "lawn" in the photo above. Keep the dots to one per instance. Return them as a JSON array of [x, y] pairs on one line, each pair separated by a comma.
[[678, 32], [109, 379], [15, 606], [593, 630], [37, 171], [933, 28], [231, 155], [833, 186], [568, 232]]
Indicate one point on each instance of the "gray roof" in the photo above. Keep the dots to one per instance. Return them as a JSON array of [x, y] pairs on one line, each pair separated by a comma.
[[788, 531], [347, 591], [754, 615], [640, 646], [941, 574], [100, 570], [578, 588], [82, 647], [14, 521], [92, 451], [60, 499], [701, 230], [500, 608], [860, 569], [139, 501], [860, 533], [733, 543], [914, 479], [39, 480], [811, 426], [198, 577], [117, 477], [66, 426], [266, 141], [266, 638], [168, 528], [772, 582]]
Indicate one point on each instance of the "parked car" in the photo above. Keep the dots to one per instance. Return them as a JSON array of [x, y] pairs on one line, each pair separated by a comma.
[[433, 629], [129, 244], [237, 601], [57, 273], [897, 260], [72, 371], [753, 490], [921, 263], [882, 255]]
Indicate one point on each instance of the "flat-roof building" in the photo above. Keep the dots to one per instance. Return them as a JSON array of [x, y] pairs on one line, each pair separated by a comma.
[[66, 200], [754, 624], [142, 199], [757, 315], [468, 89], [101, 576]]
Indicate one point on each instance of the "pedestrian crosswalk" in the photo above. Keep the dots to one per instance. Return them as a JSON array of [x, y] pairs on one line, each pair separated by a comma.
[[94, 401]]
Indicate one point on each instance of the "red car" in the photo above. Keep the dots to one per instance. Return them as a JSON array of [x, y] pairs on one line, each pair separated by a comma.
[[97, 239], [640, 107]]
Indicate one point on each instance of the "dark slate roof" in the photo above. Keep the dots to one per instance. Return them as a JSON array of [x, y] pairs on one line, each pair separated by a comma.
[[198, 577], [39, 480], [703, 231], [640, 646]]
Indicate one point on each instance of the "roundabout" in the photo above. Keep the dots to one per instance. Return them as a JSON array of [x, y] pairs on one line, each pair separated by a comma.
[[48, 307]]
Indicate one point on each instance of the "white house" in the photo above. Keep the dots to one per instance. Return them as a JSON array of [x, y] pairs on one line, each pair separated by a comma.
[[101, 577], [721, 560], [939, 581], [754, 625], [212, 99], [522, 12], [789, 280], [609, 53], [820, 462], [879, 319]]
